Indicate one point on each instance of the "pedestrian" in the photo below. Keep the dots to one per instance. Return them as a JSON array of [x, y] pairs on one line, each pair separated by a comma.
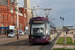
[[72, 32], [40, 30], [67, 33]]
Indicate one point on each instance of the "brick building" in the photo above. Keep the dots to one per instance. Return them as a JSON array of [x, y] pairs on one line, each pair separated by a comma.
[[8, 16]]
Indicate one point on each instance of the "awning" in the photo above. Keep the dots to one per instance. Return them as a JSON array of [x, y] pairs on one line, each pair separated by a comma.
[[4, 27]]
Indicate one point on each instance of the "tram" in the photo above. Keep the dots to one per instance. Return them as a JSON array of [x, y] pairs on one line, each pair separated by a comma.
[[41, 31]]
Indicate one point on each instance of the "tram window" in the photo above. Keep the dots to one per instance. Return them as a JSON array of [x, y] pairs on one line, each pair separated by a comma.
[[36, 27], [48, 26], [37, 30], [47, 29]]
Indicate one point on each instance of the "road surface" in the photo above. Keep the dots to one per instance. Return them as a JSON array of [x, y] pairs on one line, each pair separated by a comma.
[[25, 45]]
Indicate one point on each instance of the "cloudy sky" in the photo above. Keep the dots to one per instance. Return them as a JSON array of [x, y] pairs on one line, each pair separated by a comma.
[[63, 8]]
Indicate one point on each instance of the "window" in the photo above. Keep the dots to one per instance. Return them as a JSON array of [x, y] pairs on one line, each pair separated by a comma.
[[0, 18], [20, 26], [11, 18], [24, 15], [2, 24], [47, 28], [36, 27]]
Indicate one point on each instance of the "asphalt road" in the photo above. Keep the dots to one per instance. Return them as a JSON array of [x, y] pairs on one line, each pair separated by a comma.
[[25, 45]]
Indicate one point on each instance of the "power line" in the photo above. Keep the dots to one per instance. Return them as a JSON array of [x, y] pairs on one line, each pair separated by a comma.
[[42, 3]]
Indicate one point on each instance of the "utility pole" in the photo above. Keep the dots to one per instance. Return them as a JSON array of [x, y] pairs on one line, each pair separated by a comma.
[[33, 11], [25, 6], [37, 10], [17, 21], [64, 35]]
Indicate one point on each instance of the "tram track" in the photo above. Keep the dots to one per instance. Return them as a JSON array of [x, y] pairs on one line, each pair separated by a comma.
[[34, 46], [6, 47], [19, 47], [24, 45], [15, 45], [41, 47]]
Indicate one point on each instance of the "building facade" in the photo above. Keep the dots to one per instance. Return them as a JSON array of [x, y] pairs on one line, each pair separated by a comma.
[[8, 16], [29, 11]]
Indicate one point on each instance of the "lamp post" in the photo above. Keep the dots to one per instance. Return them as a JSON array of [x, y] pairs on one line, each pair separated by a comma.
[[64, 41], [62, 20], [17, 21], [47, 11]]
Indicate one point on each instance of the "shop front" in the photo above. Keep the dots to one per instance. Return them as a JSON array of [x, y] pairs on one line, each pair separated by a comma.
[[3, 30]]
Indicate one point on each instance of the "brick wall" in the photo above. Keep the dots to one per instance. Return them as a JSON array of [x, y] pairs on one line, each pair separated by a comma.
[[9, 19]]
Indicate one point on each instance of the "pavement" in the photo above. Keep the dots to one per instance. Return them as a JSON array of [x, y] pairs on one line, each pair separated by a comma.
[[3, 36], [5, 40], [64, 46]]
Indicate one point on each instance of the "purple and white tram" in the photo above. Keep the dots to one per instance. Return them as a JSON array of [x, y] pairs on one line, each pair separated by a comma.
[[40, 30]]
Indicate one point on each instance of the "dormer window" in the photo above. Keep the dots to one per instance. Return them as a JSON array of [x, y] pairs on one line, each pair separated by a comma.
[[24, 15]]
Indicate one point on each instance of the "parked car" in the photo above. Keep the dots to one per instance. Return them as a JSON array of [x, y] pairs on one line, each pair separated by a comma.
[[21, 33], [11, 34], [26, 32]]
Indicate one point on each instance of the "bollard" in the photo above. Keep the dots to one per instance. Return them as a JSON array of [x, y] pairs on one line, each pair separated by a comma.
[[72, 40], [63, 34], [64, 41]]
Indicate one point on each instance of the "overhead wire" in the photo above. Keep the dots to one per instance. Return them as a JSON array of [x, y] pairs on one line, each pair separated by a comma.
[[42, 3]]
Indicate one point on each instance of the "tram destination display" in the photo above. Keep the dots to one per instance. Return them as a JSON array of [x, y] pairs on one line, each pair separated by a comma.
[[38, 21]]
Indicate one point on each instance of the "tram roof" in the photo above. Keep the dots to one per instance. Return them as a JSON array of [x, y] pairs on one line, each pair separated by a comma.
[[39, 18]]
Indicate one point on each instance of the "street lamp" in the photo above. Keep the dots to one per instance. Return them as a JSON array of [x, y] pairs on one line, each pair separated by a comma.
[[63, 33], [47, 11], [62, 18]]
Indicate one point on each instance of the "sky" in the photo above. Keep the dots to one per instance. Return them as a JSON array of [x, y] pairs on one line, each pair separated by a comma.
[[60, 8]]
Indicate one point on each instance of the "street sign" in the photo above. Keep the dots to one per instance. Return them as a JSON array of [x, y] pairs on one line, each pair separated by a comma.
[[26, 28], [11, 27]]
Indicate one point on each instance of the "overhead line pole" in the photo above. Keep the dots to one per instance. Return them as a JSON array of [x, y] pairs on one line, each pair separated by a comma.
[[17, 21], [33, 11]]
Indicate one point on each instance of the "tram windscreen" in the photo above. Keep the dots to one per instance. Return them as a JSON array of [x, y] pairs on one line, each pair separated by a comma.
[[38, 29]]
